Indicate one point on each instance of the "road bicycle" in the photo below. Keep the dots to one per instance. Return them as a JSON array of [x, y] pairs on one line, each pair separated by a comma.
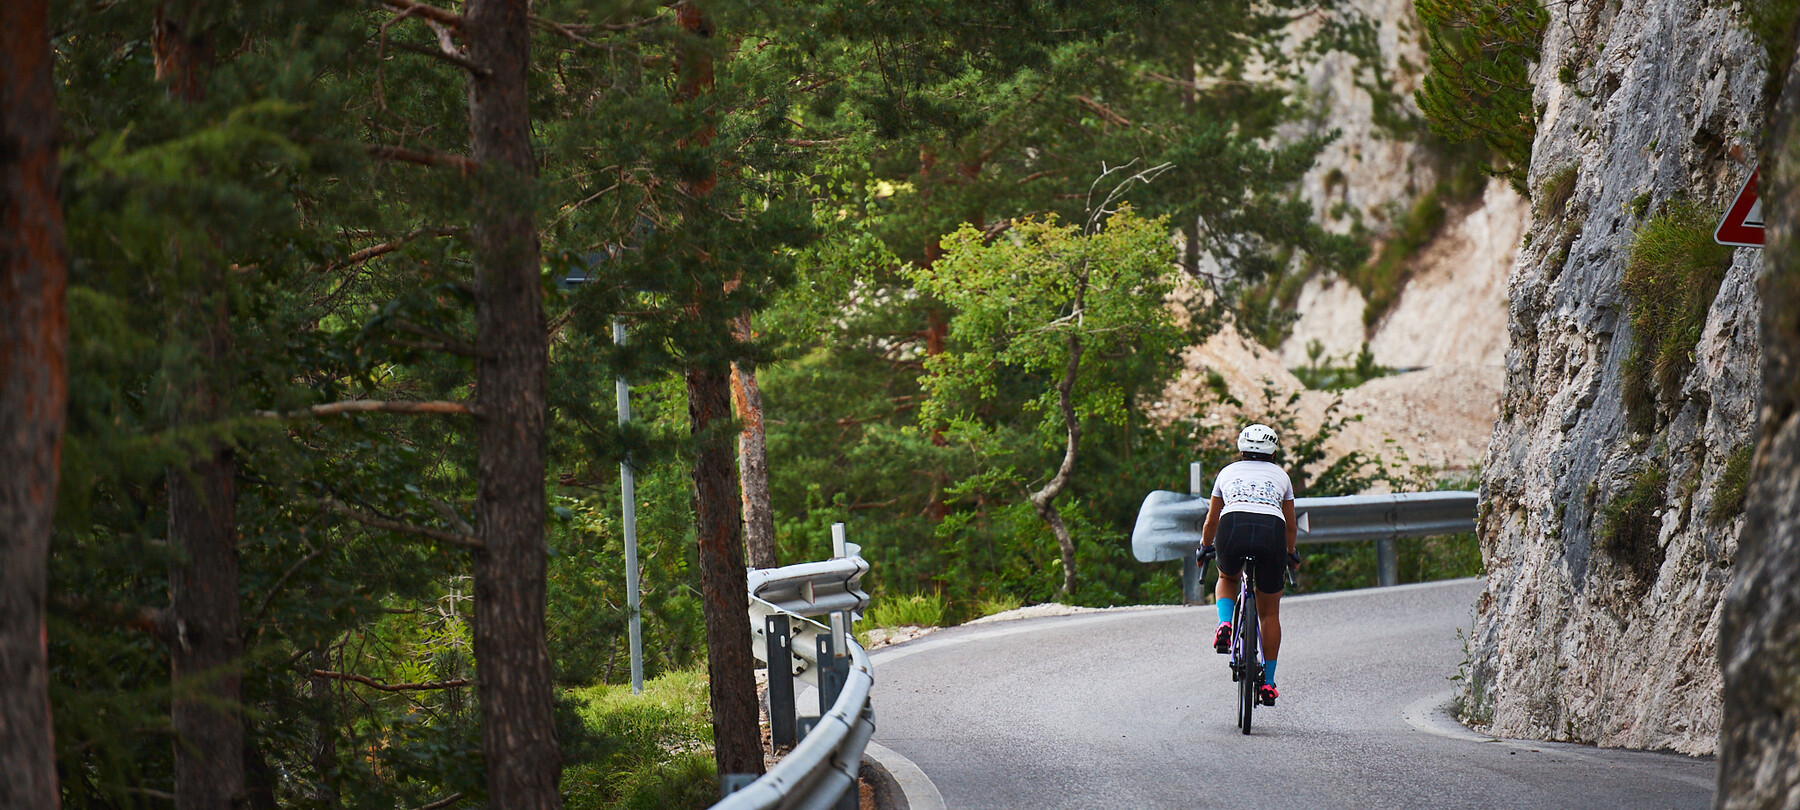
[[1246, 644]]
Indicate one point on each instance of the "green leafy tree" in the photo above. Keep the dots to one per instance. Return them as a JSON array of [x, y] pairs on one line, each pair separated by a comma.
[[1034, 305]]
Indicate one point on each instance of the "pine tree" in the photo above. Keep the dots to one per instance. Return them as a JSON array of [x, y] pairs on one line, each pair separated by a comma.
[[33, 394]]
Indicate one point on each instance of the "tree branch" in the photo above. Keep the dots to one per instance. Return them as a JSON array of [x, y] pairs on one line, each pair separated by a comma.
[[440, 804], [375, 406], [269, 598], [1103, 111], [384, 248], [389, 687], [464, 164], [442, 16], [373, 521], [452, 57], [445, 342]]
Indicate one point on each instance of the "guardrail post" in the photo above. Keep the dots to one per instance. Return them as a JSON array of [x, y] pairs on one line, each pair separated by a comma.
[[782, 732], [1191, 585], [833, 670], [1387, 561]]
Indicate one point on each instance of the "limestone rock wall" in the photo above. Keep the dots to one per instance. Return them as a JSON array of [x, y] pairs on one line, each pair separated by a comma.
[[1577, 639], [1759, 745]]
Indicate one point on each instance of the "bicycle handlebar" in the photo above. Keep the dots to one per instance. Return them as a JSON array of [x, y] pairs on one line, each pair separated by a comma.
[[1292, 563]]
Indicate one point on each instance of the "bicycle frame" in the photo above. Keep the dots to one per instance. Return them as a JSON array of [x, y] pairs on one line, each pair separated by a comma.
[[1246, 642]]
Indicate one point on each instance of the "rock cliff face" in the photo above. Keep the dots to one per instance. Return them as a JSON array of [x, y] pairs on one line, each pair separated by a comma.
[[1592, 630], [1759, 640]]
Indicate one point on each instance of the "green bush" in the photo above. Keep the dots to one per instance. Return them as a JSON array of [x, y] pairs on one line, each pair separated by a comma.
[[1671, 277], [1734, 484], [1629, 525], [1328, 376], [923, 610]]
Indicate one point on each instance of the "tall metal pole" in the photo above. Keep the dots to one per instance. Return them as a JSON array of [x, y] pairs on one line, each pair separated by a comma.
[[628, 494], [1190, 564]]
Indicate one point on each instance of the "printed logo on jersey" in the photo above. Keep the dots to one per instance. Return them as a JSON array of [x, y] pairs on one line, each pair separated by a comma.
[[1252, 490]]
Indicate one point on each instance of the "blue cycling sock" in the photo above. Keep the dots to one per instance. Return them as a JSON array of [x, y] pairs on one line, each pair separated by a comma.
[[1269, 672], [1227, 607]]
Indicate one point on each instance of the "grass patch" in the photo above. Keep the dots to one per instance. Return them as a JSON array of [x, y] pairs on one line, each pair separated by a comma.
[[1629, 525], [1734, 485], [990, 605], [1671, 277], [922, 610], [623, 751], [1552, 199]]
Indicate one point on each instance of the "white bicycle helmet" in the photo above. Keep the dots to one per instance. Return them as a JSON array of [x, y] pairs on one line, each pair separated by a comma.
[[1257, 439]]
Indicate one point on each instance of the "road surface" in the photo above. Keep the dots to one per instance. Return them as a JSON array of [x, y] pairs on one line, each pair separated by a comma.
[[1132, 709]]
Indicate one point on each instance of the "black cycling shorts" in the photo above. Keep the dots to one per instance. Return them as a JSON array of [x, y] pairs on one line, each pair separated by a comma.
[[1253, 534]]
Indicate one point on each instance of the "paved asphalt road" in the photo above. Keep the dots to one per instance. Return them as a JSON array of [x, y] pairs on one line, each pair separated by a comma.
[[1132, 709]]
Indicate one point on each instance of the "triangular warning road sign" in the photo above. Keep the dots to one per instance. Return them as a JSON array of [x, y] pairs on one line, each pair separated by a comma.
[[1743, 222]]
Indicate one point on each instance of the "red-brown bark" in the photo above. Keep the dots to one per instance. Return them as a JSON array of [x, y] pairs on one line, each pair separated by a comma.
[[753, 457], [518, 736], [737, 737], [33, 394], [718, 520]]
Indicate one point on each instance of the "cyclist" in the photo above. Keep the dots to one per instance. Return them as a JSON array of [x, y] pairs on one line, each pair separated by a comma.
[[1252, 514]]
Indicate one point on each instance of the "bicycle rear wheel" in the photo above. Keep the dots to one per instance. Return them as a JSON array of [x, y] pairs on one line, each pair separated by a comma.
[[1250, 658]]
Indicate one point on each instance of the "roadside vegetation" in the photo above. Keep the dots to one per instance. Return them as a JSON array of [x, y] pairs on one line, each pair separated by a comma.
[[1671, 277], [338, 516]]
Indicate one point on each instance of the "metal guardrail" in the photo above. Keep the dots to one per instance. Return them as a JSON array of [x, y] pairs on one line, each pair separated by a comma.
[[815, 588], [1169, 523], [821, 770], [823, 767]]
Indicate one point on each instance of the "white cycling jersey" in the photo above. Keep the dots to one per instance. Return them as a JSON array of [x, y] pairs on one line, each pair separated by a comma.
[[1253, 486]]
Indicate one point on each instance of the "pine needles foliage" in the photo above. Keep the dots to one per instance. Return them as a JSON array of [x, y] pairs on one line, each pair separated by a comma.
[[1478, 84]]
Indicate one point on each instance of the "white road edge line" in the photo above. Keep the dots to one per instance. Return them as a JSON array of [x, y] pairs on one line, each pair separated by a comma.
[[920, 792], [1428, 714]]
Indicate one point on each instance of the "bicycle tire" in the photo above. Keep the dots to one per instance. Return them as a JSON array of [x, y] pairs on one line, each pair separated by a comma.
[[1251, 661]]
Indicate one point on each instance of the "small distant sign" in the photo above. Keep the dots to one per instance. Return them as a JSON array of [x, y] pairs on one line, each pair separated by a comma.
[[1743, 222]]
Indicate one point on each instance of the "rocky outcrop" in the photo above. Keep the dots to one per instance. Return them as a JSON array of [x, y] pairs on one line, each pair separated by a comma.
[[1759, 640], [1606, 557]]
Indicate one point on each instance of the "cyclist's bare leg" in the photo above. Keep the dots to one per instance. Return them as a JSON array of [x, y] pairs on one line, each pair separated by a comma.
[[1268, 614], [1227, 588]]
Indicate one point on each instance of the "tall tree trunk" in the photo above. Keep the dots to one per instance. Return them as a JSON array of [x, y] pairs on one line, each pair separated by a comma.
[[718, 519], [737, 736], [34, 332], [518, 735], [1759, 634], [753, 464], [206, 648]]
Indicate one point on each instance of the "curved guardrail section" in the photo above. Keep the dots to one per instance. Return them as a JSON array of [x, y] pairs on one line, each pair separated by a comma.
[[814, 588], [818, 771]]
